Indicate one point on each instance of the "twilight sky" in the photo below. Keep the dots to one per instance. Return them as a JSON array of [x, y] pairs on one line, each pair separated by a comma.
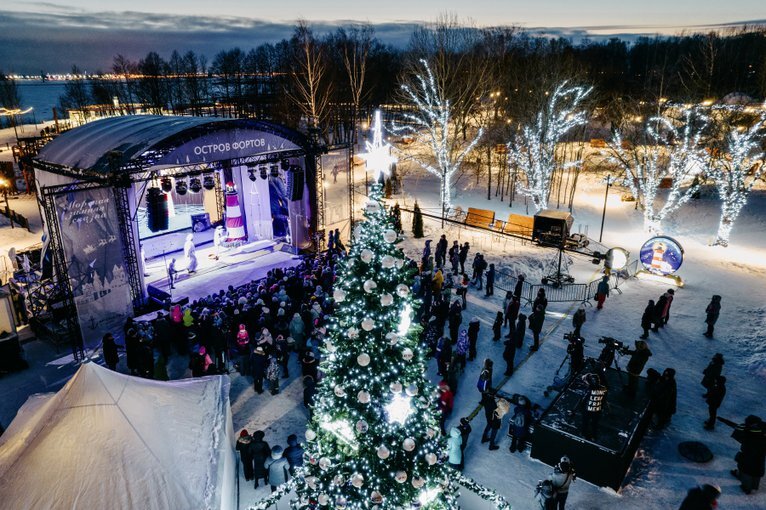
[[53, 36]]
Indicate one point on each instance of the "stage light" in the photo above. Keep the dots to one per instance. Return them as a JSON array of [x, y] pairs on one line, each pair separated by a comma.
[[208, 182], [264, 172], [181, 187], [166, 184], [251, 174], [195, 186], [616, 258]]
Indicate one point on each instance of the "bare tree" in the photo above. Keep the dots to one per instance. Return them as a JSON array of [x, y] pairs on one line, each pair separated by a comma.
[[311, 91], [430, 123]]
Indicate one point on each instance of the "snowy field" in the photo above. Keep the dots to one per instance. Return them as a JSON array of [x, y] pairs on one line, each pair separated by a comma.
[[659, 477]]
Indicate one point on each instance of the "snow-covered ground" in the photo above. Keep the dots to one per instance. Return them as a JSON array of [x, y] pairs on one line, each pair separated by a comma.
[[659, 477]]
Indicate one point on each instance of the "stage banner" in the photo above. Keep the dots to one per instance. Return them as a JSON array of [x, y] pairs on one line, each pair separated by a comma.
[[90, 236], [335, 165]]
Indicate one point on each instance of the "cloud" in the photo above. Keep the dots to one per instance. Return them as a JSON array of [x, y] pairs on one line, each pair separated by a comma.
[[53, 37]]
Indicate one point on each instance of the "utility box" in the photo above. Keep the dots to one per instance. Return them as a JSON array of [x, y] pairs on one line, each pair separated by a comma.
[[552, 227]]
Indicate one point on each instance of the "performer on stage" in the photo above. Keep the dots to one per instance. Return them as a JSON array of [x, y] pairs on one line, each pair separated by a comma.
[[143, 260], [172, 272], [190, 252], [218, 237]]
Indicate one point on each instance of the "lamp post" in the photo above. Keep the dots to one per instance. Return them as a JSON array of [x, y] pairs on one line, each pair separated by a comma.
[[12, 113], [603, 213]]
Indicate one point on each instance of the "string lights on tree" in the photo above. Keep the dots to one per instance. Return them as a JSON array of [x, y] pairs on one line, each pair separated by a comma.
[[734, 173], [430, 125], [672, 156], [374, 441], [533, 148], [378, 156]]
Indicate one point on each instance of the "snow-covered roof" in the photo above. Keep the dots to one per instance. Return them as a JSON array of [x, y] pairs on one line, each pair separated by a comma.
[[108, 440], [110, 144]]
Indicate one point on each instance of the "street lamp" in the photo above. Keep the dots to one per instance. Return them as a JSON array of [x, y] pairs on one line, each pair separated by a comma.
[[603, 213], [12, 113], [5, 185]]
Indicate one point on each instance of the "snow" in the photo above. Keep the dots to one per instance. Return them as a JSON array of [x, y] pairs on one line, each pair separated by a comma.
[[659, 476]]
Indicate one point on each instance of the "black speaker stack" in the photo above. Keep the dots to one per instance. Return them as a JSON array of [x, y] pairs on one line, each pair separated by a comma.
[[156, 209], [295, 178]]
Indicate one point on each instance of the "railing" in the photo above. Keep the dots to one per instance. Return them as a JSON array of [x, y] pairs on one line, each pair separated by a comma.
[[15, 217]]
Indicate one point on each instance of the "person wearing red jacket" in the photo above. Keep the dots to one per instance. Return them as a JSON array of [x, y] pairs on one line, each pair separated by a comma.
[[446, 402]]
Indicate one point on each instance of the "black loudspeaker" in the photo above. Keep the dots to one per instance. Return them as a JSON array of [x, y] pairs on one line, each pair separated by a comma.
[[295, 183], [156, 210]]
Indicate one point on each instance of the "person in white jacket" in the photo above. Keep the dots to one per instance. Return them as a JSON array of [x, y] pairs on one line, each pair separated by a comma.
[[455, 453]]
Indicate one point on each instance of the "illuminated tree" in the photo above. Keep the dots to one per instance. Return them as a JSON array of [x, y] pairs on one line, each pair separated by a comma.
[[431, 125], [735, 172], [672, 155], [533, 149]]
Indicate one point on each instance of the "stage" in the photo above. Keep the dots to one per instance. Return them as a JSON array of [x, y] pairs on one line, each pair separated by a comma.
[[235, 266], [605, 460]]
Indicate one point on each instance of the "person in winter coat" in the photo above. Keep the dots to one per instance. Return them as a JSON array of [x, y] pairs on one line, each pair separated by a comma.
[[512, 313], [272, 374], [463, 255], [562, 477], [595, 399], [497, 327], [465, 432], [298, 331], [576, 352], [494, 424], [518, 428], [260, 451], [711, 315], [245, 454], [669, 295], [704, 497], [647, 318], [133, 351], [636, 364], [277, 467], [520, 331], [446, 402], [664, 397], [309, 365], [259, 362], [491, 280], [545, 495], [455, 261], [536, 321], [444, 355], [454, 449], [578, 319], [426, 254], [454, 319], [712, 371], [462, 348], [440, 254], [714, 398], [484, 384], [602, 291], [659, 308], [473, 337], [309, 389], [293, 453], [506, 303], [206, 360], [751, 436], [452, 373], [243, 349], [110, 351], [519, 287], [437, 282], [541, 301], [509, 355]]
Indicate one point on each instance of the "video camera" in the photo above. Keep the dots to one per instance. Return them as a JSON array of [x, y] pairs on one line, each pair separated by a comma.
[[571, 337], [612, 343]]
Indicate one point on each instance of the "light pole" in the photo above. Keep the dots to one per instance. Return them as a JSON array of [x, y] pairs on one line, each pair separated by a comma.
[[12, 113], [603, 213]]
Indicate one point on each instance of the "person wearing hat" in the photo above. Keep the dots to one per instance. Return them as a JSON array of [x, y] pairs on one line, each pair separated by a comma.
[[670, 294], [465, 432], [455, 449], [711, 315], [261, 452], [562, 477], [278, 468], [712, 371], [259, 362], [664, 397], [703, 497], [751, 457], [578, 319], [244, 443], [518, 428], [638, 358], [309, 364], [714, 398], [109, 347], [594, 399], [293, 453]]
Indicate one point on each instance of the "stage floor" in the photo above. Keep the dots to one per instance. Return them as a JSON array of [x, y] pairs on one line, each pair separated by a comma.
[[233, 268]]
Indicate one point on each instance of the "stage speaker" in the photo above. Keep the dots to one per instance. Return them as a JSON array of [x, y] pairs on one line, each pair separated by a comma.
[[156, 209], [295, 179]]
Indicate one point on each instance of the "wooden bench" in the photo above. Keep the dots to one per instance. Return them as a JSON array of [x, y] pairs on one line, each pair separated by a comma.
[[519, 224], [483, 218]]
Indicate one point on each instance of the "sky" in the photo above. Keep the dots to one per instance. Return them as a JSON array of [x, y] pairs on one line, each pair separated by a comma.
[[50, 36]]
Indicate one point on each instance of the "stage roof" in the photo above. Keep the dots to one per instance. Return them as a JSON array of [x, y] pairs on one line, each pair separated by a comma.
[[142, 139]]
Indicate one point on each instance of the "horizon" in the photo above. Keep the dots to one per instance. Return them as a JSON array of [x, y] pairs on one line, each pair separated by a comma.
[[47, 37]]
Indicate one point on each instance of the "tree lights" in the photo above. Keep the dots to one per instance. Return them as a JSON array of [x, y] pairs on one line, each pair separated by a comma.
[[533, 149], [735, 173], [673, 155], [430, 124]]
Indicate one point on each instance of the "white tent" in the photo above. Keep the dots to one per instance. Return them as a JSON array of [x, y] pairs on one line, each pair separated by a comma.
[[108, 440]]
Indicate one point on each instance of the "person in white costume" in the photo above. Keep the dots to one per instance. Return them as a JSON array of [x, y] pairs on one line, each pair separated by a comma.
[[190, 252]]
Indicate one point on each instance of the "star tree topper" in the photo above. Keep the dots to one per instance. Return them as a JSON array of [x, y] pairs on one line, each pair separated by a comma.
[[378, 156]]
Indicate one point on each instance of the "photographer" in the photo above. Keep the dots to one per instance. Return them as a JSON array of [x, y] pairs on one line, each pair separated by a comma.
[[638, 359]]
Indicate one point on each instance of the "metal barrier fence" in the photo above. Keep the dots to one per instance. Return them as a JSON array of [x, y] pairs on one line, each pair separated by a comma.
[[572, 292]]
